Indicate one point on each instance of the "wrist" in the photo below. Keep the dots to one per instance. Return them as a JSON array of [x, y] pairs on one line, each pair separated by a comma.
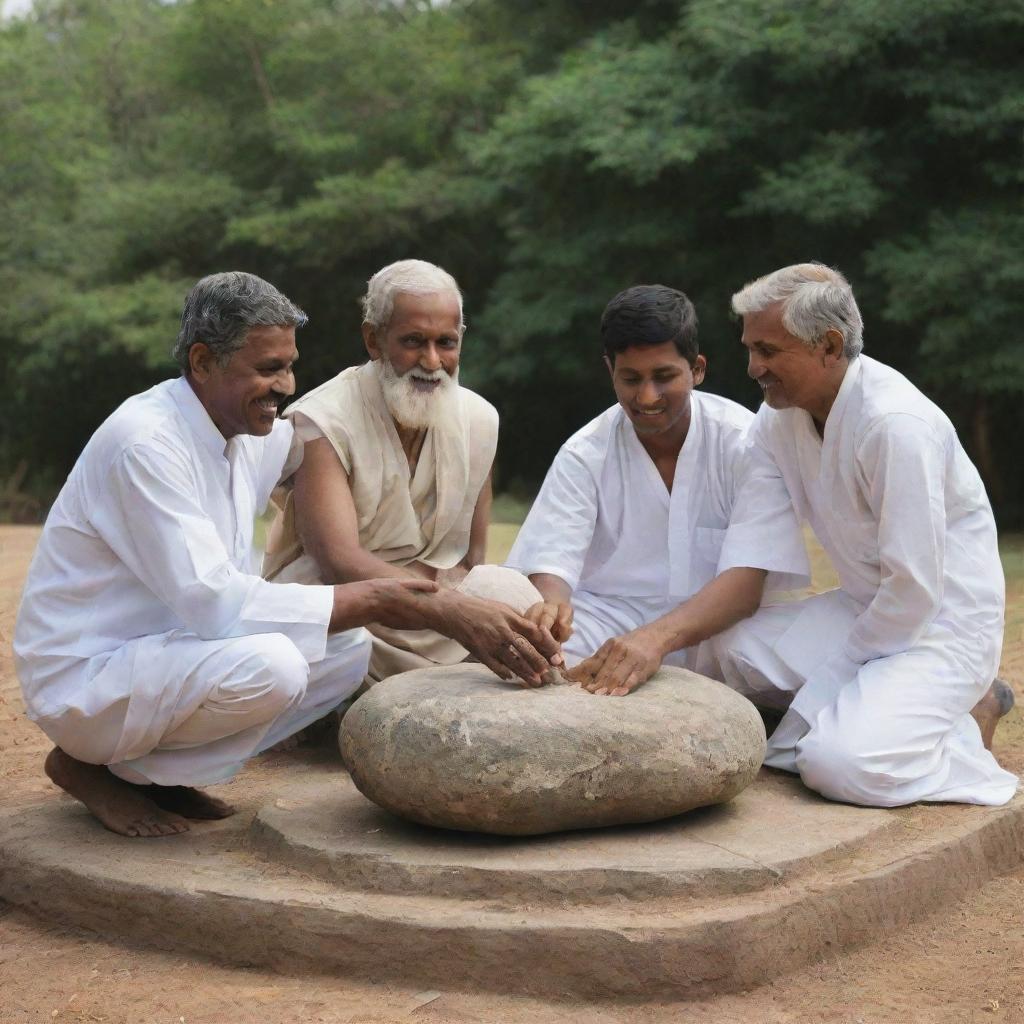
[[660, 641]]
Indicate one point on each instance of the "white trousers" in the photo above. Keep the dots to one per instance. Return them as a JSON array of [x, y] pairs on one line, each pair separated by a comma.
[[897, 731], [219, 702], [597, 618]]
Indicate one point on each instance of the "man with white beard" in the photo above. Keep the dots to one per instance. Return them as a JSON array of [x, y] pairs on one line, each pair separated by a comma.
[[395, 479]]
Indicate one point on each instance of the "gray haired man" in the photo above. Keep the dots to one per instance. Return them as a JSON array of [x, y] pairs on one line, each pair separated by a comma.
[[147, 648], [887, 681]]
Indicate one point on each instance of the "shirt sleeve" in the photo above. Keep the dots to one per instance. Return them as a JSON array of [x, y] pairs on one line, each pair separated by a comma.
[[763, 530], [153, 520], [901, 464], [556, 535], [282, 456]]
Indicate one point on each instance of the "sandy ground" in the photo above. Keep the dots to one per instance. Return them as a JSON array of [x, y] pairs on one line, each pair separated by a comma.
[[963, 964]]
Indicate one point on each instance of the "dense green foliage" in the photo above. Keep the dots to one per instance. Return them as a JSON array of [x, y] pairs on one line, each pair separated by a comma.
[[548, 153]]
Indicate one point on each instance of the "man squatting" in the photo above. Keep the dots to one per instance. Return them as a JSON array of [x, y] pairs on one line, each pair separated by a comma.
[[140, 594]]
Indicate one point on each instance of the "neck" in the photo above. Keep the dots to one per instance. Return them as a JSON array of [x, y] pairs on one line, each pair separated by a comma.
[[411, 438], [819, 412]]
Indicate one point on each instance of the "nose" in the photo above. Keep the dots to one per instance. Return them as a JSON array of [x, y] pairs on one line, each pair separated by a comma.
[[430, 359], [647, 394], [285, 383], [754, 366]]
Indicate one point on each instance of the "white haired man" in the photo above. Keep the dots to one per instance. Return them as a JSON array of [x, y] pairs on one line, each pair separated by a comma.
[[888, 680], [147, 649], [395, 481]]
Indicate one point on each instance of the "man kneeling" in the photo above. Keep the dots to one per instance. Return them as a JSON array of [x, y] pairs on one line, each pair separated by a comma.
[[147, 649], [635, 540]]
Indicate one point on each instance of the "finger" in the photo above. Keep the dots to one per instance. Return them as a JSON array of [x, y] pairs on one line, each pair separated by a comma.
[[632, 681], [583, 672], [494, 665], [539, 638], [616, 667], [547, 618], [509, 655], [563, 623], [525, 650], [424, 586]]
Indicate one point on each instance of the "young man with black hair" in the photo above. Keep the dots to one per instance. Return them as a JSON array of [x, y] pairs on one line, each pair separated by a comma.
[[635, 540]]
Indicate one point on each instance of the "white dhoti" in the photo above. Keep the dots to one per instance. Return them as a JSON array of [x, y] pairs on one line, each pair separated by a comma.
[[175, 709], [893, 731], [598, 618]]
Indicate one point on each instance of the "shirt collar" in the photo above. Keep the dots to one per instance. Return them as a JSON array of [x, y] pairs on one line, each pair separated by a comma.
[[195, 415]]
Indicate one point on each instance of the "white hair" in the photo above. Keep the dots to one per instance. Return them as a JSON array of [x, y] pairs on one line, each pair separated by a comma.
[[814, 298], [409, 277]]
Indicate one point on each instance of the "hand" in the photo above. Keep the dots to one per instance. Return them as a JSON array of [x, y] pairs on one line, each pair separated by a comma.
[[554, 616], [398, 603], [620, 665], [507, 643]]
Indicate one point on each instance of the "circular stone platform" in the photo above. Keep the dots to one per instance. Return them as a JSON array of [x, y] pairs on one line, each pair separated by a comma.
[[310, 874]]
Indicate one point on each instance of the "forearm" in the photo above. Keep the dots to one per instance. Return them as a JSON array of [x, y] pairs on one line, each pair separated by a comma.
[[552, 588], [352, 564], [733, 595]]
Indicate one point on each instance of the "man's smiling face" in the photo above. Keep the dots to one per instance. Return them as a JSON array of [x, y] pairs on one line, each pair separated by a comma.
[[653, 385], [789, 371], [244, 396]]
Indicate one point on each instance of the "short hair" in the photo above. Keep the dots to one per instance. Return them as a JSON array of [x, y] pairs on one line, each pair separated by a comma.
[[409, 277], [649, 314], [815, 298], [221, 309]]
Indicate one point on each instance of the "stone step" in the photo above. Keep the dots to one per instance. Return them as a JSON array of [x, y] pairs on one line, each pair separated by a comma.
[[331, 831], [239, 892]]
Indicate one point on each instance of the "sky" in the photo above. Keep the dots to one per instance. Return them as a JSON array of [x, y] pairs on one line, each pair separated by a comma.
[[9, 7]]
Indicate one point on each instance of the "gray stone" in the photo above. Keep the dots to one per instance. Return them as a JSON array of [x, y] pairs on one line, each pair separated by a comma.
[[457, 748]]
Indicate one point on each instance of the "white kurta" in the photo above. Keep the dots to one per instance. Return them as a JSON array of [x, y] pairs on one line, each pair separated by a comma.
[[631, 552], [886, 669], [144, 572]]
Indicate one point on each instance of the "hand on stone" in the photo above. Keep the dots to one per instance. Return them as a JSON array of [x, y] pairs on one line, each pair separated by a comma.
[[507, 643], [619, 666], [554, 616]]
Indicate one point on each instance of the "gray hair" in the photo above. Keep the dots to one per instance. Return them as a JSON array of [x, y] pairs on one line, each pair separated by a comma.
[[814, 298], [221, 309], [409, 277]]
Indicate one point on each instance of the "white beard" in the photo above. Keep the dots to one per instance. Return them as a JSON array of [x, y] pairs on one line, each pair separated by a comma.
[[416, 409]]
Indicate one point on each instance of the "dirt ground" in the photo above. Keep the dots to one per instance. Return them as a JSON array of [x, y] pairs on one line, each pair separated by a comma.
[[963, 964]]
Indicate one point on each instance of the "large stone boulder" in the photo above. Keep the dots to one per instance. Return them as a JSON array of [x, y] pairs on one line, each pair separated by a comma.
[[458, 748]]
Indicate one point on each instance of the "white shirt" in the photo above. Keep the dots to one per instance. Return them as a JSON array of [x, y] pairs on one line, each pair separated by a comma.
[[152, 532], [903, 514], [605, 522]]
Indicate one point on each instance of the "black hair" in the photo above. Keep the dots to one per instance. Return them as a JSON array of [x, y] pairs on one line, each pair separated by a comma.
[[649, 314]]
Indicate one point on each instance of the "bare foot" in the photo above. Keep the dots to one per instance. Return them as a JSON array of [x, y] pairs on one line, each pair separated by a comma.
[[987, 712], [113, 802], [188, 802]]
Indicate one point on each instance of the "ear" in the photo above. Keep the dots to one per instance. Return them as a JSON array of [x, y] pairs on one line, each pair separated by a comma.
[[201, 362], [832, 347], [700, 367], [610, 365], [370, 341]]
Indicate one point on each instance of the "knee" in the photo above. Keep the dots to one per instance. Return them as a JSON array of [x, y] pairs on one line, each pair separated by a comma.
[[271, 675], [837, 764]]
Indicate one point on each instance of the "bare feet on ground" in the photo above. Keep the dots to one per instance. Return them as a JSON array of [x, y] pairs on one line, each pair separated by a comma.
[[188, 802], [987, 712], [117, 804]]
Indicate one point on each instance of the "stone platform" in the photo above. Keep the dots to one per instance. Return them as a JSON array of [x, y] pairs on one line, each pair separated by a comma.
[[309, 875]]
